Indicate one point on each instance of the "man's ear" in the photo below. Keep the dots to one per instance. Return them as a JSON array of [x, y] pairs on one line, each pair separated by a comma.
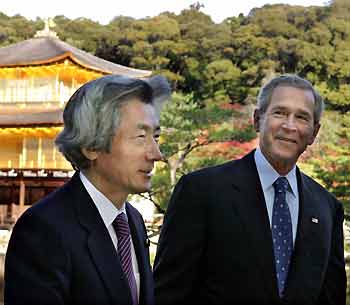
[[314, 134], [89, 154], [257, 118]]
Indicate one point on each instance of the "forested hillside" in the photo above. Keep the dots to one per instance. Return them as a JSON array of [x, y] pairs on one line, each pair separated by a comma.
[[216, 71]]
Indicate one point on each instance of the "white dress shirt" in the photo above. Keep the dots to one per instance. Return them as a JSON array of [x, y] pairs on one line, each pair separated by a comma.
[[109, 212], [268, 176]]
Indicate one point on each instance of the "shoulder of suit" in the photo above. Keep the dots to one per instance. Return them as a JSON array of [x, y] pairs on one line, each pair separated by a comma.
[[310, 182], [320, 190], [212, 170], [130, 207], [230, 169], [55, 207], [206, 178]]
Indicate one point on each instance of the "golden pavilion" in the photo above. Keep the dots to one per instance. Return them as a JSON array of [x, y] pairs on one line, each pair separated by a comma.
[[37, 77]]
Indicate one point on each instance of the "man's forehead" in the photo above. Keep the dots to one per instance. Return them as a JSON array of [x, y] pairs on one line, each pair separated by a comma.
[[287, 89], [290, 92]]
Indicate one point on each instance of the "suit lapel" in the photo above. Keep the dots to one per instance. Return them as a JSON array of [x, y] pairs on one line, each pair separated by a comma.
[[140, 244], [309, 255], [252, 210], [100, 245], [108, 265]]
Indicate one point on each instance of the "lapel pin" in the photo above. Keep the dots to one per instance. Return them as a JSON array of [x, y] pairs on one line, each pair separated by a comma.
[[147, 242], [314, 220]]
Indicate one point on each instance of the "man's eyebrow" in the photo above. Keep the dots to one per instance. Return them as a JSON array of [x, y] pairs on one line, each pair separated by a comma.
[[281, 107], [304, 112], [147, 127], [278, 107]]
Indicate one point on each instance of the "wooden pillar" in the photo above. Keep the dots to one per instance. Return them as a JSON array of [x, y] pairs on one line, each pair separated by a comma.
[[24, 152], [54, 165], [40, 153], [22, 192]]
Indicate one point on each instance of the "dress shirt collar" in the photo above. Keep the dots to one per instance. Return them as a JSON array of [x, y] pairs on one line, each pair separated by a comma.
[[268, 174], [106, 208]]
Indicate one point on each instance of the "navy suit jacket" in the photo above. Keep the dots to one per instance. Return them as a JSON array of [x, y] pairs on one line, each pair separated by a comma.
[[216, 245], [60, 252]]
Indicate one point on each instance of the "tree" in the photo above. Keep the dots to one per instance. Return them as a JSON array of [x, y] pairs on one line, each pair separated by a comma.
[[329, 160], [222, 76], [212, 66], [188, 128]]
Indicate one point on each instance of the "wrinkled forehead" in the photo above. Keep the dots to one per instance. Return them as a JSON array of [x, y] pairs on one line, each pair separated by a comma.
[[139, 113], [294, 95]]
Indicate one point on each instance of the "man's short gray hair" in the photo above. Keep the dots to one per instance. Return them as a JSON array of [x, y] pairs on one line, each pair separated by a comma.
[[290, 80], [92, 115]]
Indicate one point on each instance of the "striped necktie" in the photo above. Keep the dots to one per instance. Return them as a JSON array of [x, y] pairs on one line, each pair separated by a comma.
[[122, 230]]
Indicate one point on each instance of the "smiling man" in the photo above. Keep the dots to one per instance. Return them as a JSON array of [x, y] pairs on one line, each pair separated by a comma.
[[85, 244], [257, 230]]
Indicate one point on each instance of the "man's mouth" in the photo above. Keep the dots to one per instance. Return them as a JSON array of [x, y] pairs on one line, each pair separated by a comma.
[[147, 172], [287, 140]]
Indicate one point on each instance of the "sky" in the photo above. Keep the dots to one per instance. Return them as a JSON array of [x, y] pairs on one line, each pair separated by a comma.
[[103, 11]]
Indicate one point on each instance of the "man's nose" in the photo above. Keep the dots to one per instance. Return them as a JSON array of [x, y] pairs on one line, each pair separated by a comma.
[[290, 123], [154, 152]]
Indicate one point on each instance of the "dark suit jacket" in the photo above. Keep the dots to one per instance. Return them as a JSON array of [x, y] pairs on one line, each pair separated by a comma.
[[60, 252], [216, 245]]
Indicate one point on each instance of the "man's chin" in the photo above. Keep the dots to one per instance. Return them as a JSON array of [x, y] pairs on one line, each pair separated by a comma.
[[285, 160], [143, 189], [286, 155]]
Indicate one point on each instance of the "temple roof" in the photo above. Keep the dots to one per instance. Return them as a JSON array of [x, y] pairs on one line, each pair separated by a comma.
[[46, 50], [13, 116]]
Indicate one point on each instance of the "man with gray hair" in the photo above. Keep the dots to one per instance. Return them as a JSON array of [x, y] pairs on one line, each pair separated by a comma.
[[84, 243], [257, 230]]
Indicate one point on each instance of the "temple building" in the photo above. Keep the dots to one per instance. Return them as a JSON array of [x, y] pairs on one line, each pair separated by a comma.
[[37, 77]]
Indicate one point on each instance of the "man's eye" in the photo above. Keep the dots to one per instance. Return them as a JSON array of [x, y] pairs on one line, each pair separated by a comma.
[[141, 137], [278, 112], [303, 118]]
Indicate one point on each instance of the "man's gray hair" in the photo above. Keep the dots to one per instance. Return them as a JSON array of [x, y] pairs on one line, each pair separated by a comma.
[[92, 114], [290, 80]]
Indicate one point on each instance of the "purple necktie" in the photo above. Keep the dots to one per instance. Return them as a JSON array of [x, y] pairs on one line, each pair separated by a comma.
[[281, 233], [122, 230]]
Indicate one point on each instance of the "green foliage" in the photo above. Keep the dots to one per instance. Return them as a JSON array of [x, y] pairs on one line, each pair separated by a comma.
[[188, 127], [231, 59], [226, 132], [162, 188], [222, 75], [214, 65], [329, 161], [181, 121], [338, 177], [334, 172], [201, 162]]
